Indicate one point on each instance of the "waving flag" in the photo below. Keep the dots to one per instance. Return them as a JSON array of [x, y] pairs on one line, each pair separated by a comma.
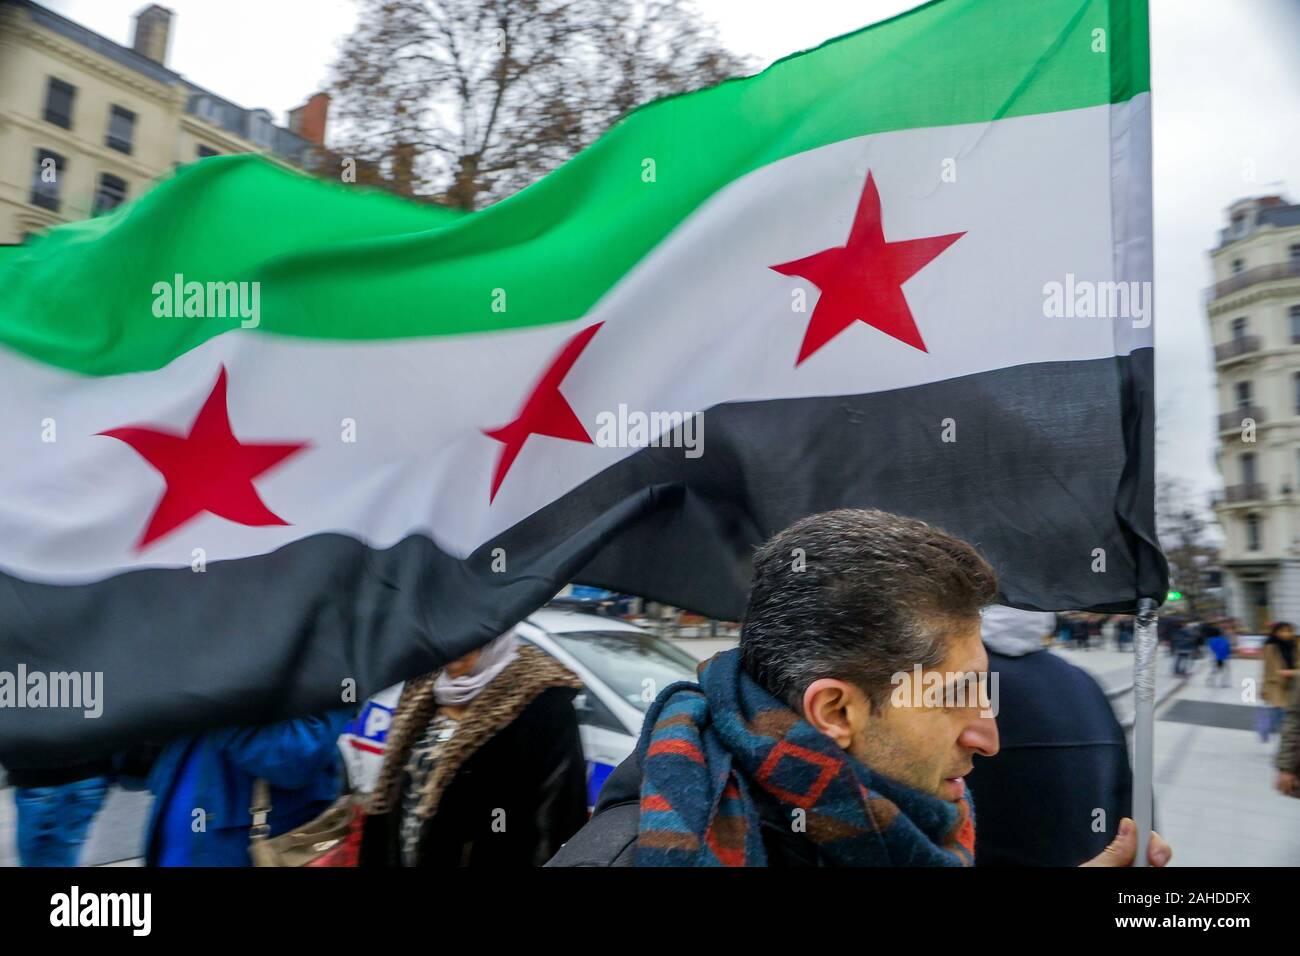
[[266, 439]]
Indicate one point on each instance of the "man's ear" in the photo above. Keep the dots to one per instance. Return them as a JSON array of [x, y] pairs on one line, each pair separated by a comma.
[[831, 706]]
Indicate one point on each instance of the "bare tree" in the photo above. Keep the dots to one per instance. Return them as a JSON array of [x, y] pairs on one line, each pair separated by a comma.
[[467, 101], [1181, 525]]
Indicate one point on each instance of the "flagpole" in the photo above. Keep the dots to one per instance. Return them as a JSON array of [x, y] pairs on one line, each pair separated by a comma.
[[1144, 692]]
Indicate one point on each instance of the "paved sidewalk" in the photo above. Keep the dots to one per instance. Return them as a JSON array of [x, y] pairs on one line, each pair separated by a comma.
[[1215, 801]]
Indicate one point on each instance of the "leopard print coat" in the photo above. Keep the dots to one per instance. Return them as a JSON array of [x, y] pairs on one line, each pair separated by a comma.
[[496, 706]]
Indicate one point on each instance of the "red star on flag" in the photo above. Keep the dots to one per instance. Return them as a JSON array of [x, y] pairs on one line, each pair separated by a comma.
[[208, 469], [862, 280], [546, 411]]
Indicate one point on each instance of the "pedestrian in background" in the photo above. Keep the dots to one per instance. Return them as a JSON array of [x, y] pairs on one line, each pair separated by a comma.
[[483, 766], [203, 788], [1079, 630], [1183, 642], [1221, 648], [1061, 781], [1279, 653], [1125, 632], [1094, 637], [55, 808], [1063, 630], [1288, 754]]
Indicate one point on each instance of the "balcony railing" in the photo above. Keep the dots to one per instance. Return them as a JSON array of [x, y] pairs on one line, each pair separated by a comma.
[[1269, 273], [1232, 421], [1252, 491], [1241, 345]]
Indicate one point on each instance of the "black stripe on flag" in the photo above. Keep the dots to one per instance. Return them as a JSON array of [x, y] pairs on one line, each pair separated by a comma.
[[1050, 462]]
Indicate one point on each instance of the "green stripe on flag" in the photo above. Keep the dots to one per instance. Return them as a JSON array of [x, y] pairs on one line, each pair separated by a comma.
[[337, 262]]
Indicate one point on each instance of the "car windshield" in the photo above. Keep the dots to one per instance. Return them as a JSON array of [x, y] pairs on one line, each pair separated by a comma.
[[636, 666]]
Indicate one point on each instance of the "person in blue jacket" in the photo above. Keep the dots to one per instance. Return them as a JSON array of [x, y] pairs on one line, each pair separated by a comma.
[[203, 787]]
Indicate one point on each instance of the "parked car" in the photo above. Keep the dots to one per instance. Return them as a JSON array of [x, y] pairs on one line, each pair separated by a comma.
[[622, 667]]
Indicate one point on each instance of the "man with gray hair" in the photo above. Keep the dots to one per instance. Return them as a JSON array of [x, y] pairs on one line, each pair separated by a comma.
[[839, 732]]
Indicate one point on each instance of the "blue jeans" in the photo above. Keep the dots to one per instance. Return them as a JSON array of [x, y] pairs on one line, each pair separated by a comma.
[[1268, 721], [53, 821]]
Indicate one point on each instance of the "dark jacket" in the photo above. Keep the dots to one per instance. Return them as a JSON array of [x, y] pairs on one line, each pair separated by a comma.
[[298, 758], [1288, 751], [128, 769], [609, 839], [1183, 640], [59, 776], [1062, 756], [515, 799]]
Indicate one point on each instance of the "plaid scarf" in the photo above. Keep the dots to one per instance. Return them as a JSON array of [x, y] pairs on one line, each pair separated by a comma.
[[704, 749]]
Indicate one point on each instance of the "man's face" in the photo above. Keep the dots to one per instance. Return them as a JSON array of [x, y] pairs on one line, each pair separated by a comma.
[[930, 747]]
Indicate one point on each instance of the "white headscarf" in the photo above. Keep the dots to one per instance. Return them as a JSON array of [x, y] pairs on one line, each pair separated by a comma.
[[492, 660], [1013, 632]]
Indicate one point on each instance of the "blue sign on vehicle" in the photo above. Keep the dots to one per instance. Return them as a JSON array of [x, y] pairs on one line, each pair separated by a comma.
[[588, 593], [596, 774], [372, 723]]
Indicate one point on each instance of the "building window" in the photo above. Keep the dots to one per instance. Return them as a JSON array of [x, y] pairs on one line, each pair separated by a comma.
[[121, 129], [1238, 223], [1248, 468], [47, 180], [1244, 395], [208, 109], [1238, 265], [1296, 380], [205, 151], [1294, 313], [1252, 533], [1238, 329], [111, 193], [260, 130], [1294, 253], [58, 103]]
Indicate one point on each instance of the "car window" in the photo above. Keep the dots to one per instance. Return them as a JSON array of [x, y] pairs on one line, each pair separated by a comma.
[[592, 712], [634, 665]]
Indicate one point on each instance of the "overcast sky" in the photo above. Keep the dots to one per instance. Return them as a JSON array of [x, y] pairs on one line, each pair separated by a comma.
[[1226, 103]]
